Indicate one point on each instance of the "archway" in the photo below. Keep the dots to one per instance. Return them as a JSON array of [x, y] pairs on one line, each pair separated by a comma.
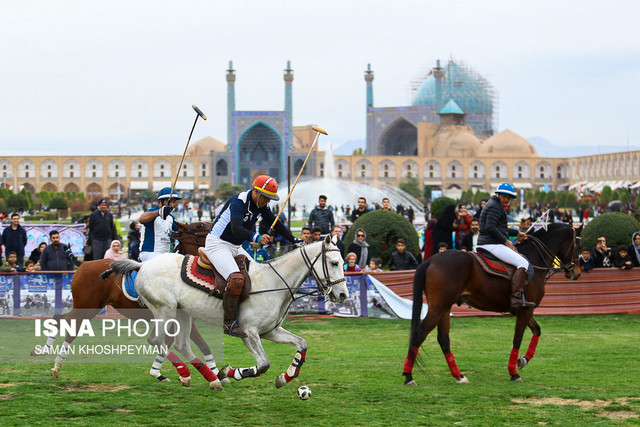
[[259, 148], [400, 139], [94, 191]]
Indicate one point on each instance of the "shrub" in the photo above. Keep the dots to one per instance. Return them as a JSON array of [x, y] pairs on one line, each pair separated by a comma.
[[438, 205], [615, 226], [383, 228], [78, 206], [57, 202]]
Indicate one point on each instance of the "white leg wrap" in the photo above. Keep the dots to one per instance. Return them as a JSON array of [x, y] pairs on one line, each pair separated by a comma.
[[62, 356], [295, 365], [245, 372]]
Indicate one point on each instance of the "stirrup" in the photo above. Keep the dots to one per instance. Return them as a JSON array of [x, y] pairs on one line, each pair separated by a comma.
[[239, 333]]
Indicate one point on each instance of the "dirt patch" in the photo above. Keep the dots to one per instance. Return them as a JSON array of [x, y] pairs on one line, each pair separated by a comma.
[[124, 411], [5, 385], [95, 387], [585, 405], [5, 396]]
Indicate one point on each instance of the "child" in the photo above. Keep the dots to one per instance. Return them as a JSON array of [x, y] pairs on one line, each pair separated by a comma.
[[30, 266], [622, 260], [401, 259], [12, 263], [443, 247], [351, 263], [253, 249], [586, 260], [374, 266]]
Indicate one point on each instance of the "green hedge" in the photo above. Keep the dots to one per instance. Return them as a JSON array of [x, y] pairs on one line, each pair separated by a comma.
[[615, 226], [383, 228], [438, 205]]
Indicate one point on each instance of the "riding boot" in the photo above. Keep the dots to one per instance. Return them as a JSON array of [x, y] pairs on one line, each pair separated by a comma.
[[230, 305], [518, 282]]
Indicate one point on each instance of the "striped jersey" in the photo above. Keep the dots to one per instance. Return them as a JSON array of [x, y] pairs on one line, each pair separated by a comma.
[[243, 208], [157, 234]]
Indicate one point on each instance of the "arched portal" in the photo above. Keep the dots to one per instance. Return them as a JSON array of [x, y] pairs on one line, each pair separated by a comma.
[[259, 149], [400, 139]]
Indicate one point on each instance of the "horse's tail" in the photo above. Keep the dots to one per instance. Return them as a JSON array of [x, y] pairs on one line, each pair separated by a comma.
[[125, 267], [418, 288]]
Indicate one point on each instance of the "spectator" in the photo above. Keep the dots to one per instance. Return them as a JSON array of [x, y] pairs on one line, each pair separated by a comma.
[[443, 247], [345, 229], [30, 266], [337, 231], [257, 253], [622, 260], [602, 254], [444, 227], [525, 224], [115, 251], [463, 220], [316, 234], [37, 252], [362, 209], [374, 266], [102, 230], [351, 263], [411, 215], [470, 241], [634, 249], [360, 247], [427, 249], [386, 205], [55, 257], [402, 259], [12, 263], [586, 260], [133, 246], [479, 211], [14, 238], [305, 235], [321, 217]]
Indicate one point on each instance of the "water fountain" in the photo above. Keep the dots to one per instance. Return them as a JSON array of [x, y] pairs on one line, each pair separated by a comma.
[[345, 193]]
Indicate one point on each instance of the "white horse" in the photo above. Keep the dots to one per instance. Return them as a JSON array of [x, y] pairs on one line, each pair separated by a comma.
[[274, 284]]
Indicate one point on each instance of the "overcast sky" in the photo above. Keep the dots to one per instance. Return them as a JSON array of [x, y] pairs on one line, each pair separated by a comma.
[[119, 77]]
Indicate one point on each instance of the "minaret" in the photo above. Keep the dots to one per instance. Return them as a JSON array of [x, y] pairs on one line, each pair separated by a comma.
[[231, 101], [368, 77], [438, 74], [287, 145]]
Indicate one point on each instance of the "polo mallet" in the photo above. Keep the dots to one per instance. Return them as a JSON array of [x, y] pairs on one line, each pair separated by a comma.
[[198, 115], [319, 131]]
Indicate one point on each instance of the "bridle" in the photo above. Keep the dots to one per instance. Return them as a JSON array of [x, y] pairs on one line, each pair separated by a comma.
[[199, 231], [325, 285], [549, 258]]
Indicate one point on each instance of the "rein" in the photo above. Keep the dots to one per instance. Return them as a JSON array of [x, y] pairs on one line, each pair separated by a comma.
[[548, 258]]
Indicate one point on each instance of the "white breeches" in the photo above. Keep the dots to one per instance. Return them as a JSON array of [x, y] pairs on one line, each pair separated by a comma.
[[507, 255], [146, 256], [221, 254]]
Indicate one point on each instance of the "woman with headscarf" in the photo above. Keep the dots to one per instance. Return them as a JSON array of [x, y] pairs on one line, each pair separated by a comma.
[[360, 247], [634, 249], [443, 229], [115, 251]]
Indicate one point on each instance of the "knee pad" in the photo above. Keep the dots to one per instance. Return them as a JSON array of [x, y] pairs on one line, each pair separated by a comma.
[[235, 283]]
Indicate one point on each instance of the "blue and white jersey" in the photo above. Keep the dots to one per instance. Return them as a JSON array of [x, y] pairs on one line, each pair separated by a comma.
[[240, 207], [157, 234]]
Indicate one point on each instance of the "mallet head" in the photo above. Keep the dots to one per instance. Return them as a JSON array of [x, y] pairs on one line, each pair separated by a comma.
[[319, 130], [200, 113]]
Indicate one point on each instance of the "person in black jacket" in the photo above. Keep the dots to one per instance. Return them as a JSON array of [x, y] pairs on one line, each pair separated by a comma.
[[444, 227], [56, 256], [494, 238], [634, 249], [402, 259], [602, 255], [102, 230], [14, 238]]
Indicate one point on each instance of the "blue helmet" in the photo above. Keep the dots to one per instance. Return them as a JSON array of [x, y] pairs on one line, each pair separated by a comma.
[[166, 192], [507, 188]]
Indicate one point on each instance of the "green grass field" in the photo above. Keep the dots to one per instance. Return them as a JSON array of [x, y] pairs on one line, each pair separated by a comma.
[[585, 371]]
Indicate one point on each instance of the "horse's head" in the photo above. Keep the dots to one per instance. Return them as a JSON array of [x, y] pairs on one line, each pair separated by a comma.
[[191, 236], [563, 241], [326, 267]]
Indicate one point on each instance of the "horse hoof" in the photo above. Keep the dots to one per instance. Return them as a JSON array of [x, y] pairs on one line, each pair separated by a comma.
[[522, 362], [54, 373], [463, 380], [163, 379], [224, 380], [185, 381], [36, 353], [516, 378], [224, 373], [412, 382], [215, 385], [280, 381]]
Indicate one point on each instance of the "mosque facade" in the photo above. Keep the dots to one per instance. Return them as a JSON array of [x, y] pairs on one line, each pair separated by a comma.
[[447, 139]]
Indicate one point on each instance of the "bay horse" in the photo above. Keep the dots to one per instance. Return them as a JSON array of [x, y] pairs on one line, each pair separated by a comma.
[[274, 284], [91, 293], [452, 276]]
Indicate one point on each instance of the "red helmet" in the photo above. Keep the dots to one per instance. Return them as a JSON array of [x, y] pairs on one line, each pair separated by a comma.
[[267, 186]]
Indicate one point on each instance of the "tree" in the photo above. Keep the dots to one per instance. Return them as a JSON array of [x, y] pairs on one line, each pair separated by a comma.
[[427, 193], [412, 186], [615, 226], [606, 195], [226, 190], [625, 197], [58, 202], [438, 205], [17, 202]]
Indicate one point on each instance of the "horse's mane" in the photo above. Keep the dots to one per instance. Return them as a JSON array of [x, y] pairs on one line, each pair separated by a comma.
[[551, 230]]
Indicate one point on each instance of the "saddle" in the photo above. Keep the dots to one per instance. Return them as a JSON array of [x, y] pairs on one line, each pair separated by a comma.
[[198, 272], [492, 265]]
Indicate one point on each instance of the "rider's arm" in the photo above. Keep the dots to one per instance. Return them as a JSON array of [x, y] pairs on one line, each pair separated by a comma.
[[149, 215]]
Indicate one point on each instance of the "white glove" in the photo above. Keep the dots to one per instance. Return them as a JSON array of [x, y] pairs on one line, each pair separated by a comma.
[[164, 211]]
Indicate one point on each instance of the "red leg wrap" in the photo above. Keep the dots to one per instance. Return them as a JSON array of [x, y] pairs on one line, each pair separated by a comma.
[[513, 362], [532, 347], [206, 372], [181, 367], [410, 360], [453, 367]]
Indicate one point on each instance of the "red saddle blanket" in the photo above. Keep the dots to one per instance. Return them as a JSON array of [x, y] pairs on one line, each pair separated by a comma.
[[494, 267], [210, 281]]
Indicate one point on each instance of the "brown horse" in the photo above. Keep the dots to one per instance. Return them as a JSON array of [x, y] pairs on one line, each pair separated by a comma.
[[91, 293], [453, 276]]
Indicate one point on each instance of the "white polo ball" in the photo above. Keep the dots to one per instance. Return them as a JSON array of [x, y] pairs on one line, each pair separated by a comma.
[[304, 392]]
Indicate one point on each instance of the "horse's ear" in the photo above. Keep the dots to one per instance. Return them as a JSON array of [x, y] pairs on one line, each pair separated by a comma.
[[327, 239], [579, 230]]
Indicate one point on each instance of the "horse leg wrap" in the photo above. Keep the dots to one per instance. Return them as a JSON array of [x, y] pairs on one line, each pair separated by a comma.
[[240, 373], [453, 366], [294, 368], [410, 360], [513, 362], [532, 347], [181, 367], [206, 372]]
